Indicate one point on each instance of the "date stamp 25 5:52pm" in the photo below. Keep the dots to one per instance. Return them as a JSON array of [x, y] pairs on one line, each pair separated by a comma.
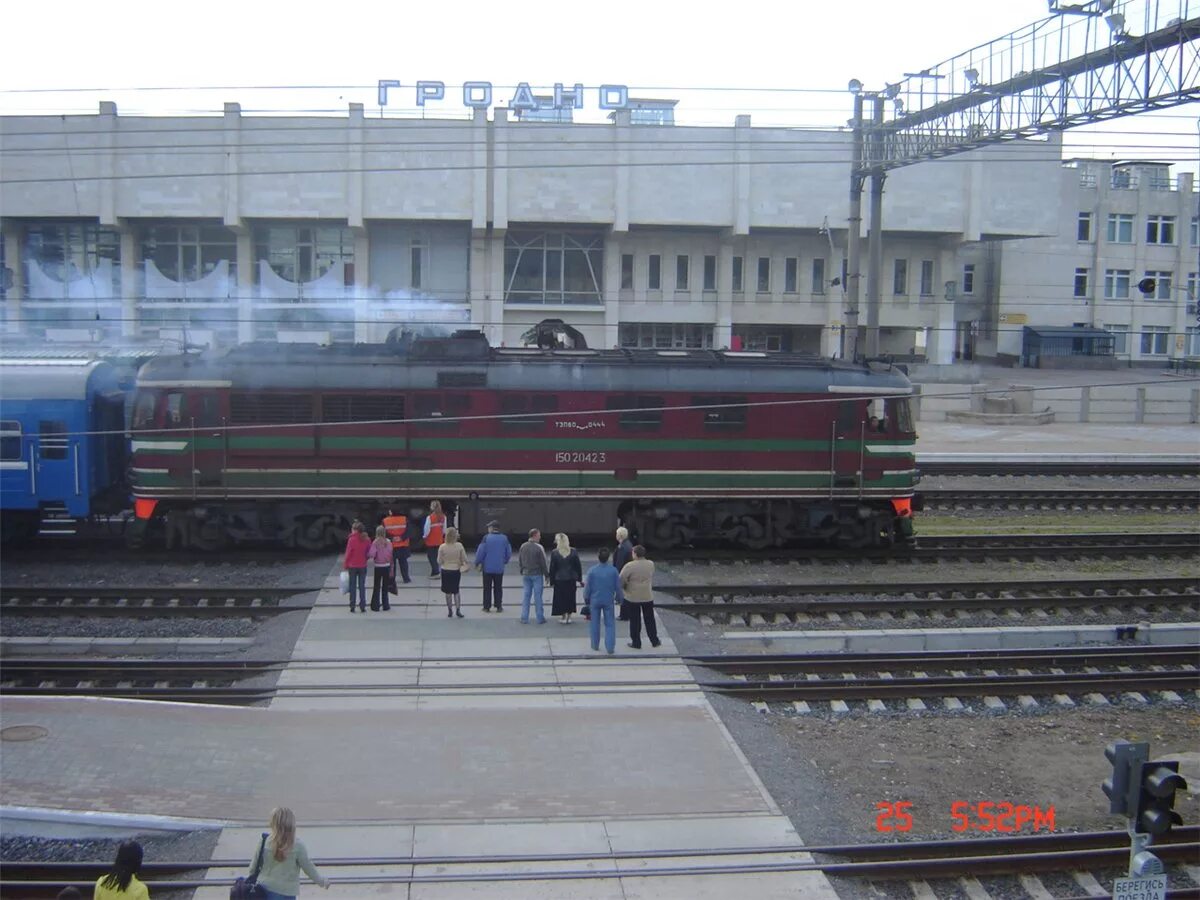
[[964, 815]]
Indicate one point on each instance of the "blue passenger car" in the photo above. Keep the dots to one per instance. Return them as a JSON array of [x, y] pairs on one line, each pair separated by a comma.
[[62, 441]]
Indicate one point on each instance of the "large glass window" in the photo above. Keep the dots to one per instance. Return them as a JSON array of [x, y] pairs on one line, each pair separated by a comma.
[[1120, 228], [791, 274], [665, 336], [189, 252], [69, 250], [900, 277], [553, 267], [1081, 282], [710, 273], [764, 274], [1196, 231], [626, 271], [1083, 227], [968, 279], [1120, 335], [305, 253], [927, 278], [1162, 285], [1192, 344], [1160, 229], [683, 265], [1116, 284], [1154, 340], [818, 275], [654, 273], [737, 274]]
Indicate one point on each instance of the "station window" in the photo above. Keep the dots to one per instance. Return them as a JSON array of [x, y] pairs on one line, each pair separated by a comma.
[[640, 412], [626, 271], [10, 439], [654, 273], [737, 274], [791, 269], [710, 273], [1160, 229], [1083, 227], [682, 271]]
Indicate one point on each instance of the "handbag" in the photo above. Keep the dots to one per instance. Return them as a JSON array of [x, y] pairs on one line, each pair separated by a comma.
[[249, 888], [344, 581], [391, 582]]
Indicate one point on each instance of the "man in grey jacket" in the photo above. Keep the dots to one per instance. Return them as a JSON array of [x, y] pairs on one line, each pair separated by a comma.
[[535, 569]]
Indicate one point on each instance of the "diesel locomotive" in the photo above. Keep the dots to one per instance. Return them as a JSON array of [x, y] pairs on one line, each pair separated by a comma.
[[291, 443]]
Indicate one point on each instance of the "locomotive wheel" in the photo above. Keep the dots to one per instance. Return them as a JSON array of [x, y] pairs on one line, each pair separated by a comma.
[[312, 532], [208, 535]]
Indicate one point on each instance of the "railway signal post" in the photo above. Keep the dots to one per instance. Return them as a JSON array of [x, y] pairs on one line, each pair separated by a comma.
[[1143, 791]]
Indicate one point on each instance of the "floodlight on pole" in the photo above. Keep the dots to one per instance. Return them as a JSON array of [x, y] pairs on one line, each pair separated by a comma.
[[1116, 24], [855, 86], [972, 76]]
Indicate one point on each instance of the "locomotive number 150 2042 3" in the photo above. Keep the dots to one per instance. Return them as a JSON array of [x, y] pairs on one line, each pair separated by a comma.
[[580, 456]]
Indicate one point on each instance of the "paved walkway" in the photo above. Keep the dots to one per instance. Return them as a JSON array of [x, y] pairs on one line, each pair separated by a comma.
[[407, 734]]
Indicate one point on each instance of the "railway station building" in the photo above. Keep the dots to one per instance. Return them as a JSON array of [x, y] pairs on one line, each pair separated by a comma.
[[211, 230]]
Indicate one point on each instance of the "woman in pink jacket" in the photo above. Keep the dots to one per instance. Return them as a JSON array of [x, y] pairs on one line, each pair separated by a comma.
[[357, 547], [380, 555]]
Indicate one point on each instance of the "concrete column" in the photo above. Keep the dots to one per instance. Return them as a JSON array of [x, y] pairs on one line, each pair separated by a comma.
[[15, 262], [500, 173], [481, 175], [741, 180], [622, 153], [723, 333], [132, 285], [1195, 410], [232, 136], [355, 163], [612, 291], [939, 350], [245, 281], [362, 288], [107, 166]]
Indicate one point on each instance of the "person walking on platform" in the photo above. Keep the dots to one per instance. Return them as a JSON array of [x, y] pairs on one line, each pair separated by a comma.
[[357, 547], [566, 573], [434, 535], [452, 560], [397, 531], [637, 584], [601, 590], [121, 883], [380, 556], [283, 856], [492, 556], [535, 569]]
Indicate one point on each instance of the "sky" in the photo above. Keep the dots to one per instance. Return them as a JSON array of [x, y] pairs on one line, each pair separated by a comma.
[[779, 63]]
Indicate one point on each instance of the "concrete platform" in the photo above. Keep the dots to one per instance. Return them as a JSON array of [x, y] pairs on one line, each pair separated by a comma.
[[1057, 440], [406, 734]]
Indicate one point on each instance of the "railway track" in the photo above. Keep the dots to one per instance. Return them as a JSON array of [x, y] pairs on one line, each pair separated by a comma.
[[803, 603], [152, 601], [843, 677], [1061, 498], [1186, 465], [902, 860]]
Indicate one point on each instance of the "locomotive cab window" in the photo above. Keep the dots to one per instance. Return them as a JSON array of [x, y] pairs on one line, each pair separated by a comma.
[[722, 413], [430, 408], [10, 440], [879, 420], [175, 409], [54, 439], [526, 412], [899, 414], [143, 409], [640, 412]]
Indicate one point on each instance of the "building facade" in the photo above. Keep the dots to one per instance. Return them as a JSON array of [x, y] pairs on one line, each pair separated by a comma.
[[214, 230], [1121, 225]]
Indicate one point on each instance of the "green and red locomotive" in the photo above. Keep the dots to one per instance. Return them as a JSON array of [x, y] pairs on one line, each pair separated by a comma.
[[290, 443]]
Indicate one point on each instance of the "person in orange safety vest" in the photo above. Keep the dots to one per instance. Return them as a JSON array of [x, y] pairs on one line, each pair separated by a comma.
[[397, 531], [435, 535]]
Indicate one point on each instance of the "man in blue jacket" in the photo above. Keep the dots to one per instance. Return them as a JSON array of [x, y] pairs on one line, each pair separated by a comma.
[[492, 555], [601, 591]]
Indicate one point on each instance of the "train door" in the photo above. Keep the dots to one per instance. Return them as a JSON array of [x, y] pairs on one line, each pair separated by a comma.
[[208, 439], [56, 465], [845, 450]]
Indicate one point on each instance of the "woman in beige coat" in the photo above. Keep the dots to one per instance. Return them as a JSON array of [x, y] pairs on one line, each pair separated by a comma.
[[637, 584], [452, 561]]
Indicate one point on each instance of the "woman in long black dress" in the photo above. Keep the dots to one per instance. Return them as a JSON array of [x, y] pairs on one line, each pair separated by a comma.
[[566, 574]]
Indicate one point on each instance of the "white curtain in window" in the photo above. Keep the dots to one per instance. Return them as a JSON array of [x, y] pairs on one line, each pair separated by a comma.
[[213, 286]]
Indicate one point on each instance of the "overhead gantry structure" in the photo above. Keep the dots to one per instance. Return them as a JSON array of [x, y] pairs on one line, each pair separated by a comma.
[[1087, 62]]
